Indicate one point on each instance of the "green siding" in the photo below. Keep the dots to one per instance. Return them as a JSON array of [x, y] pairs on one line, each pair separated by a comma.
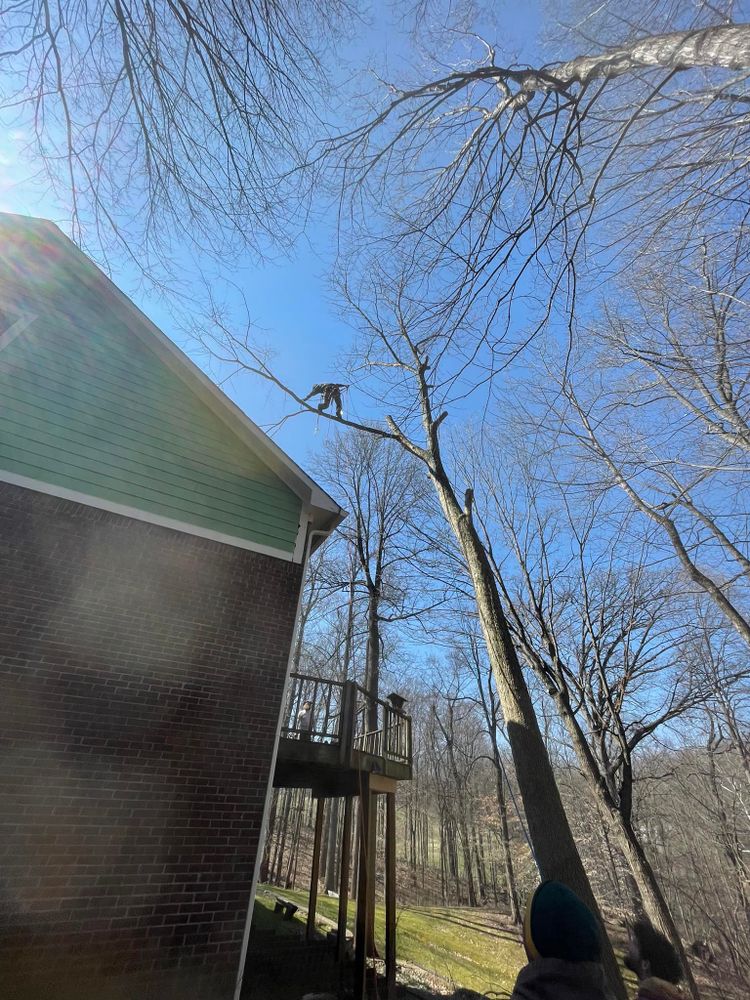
[[87, 406]]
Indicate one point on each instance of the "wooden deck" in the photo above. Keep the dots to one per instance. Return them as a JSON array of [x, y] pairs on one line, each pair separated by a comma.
[[351, 745], [351, 733]]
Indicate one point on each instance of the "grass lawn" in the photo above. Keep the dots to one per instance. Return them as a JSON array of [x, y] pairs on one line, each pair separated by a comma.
[[264, 919], [467, 947], [474, 948]]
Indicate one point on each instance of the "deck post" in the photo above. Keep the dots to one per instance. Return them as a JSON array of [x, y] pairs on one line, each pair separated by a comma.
[[346, 848], [317, 841], [365, 885], [390, 895]]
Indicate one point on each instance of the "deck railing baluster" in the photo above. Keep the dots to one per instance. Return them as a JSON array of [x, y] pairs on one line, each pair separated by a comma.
[[341, 710]]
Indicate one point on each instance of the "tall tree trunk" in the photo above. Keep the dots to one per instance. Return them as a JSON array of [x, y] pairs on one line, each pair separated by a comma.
[[632, 888], [554, 847], [722, 45], [654, 901]]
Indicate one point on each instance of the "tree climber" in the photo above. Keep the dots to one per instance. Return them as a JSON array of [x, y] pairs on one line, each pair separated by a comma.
[[330, 393]]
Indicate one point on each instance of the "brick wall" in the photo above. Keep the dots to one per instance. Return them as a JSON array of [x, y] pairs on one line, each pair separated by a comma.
[[141, 672]]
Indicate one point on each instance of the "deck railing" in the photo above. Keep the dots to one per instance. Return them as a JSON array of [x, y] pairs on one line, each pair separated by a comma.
[[344, 714], [392, 736], [326, 699]]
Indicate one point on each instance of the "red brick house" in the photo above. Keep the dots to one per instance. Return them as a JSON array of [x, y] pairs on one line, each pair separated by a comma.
[[152, 549]]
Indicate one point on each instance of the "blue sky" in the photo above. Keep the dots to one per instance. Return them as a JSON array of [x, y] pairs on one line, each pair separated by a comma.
[[288, 296]]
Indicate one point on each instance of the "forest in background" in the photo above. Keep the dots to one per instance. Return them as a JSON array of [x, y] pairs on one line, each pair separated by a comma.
[[655, 680]]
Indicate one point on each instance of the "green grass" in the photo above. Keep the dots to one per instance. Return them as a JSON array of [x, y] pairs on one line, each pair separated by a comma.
[[466, 947], [473, 948], [264, 919]]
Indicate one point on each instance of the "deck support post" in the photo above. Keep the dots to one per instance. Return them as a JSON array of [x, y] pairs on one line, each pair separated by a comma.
[[346, 848], [365, 886], [317, 841], [390, 895]]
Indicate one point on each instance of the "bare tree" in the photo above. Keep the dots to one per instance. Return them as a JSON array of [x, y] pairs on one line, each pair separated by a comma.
[[503, 173], [696, 823], [608, 638], [170, 125], [458, 756], [666, 419], [471, 653], [384, 489], [404, 342]]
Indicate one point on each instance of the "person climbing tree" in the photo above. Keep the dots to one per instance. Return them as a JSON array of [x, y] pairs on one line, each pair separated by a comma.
[[330, 393]]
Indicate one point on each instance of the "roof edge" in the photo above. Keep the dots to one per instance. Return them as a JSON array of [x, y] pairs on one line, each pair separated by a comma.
[[325, 513]]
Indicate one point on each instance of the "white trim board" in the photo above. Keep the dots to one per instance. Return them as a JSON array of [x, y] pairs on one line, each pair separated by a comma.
[[51, 489]]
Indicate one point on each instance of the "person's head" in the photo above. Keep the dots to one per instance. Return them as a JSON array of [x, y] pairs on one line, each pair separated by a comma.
[[558, 924], [307, 705], [651, 954]]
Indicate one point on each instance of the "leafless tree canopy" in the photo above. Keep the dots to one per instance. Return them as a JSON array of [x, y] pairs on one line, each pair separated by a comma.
[[500, 177], [664, 419], [166, 123]]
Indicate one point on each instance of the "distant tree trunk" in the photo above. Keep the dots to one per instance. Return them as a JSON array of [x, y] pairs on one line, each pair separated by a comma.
[[331, 874], [413, 838], [373, 658], [502, 808], [460, 799], [443, 873], [355, 852], [326, 839], [291, 873], [481, 866], [468, 861], [455, 866], [264, 867], [331, 852], [732, 848], [279, 857]]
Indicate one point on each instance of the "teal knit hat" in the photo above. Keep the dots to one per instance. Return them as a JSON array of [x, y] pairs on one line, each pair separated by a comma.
[[559, 925]]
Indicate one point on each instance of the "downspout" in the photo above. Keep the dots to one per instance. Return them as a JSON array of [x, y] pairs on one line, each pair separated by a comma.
[[311, 535]]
